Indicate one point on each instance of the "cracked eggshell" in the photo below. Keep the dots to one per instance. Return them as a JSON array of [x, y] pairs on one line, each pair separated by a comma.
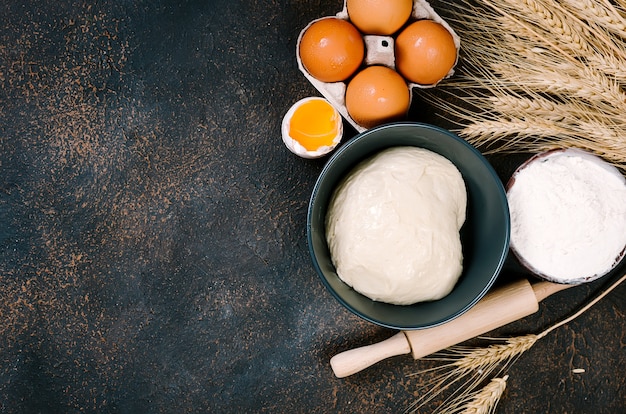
[[379, 50], [297, 148]]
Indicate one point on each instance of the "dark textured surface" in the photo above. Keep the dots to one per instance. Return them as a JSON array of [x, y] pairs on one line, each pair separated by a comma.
[[153, 252]]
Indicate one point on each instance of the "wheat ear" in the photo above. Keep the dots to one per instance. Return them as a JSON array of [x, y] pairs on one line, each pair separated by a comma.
[[471, 366], [468, 368], [483, 401], [519, 87], [605, 15]]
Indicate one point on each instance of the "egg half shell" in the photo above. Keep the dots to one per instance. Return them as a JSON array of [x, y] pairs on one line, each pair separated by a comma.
[[294, 146]]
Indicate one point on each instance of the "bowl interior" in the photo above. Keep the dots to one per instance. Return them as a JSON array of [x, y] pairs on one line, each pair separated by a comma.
[[621, 256], [484, 236]]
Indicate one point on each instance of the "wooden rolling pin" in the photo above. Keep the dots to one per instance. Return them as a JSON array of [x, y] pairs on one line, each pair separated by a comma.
[[499, 307]]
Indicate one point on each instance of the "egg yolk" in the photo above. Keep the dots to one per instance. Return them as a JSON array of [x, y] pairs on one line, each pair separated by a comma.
[[314, 124]]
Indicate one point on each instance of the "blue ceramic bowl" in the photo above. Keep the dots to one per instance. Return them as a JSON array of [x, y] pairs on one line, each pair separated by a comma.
[[484, 236]]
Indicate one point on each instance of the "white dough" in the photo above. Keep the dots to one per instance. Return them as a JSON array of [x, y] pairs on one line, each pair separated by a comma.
[[393, 226]]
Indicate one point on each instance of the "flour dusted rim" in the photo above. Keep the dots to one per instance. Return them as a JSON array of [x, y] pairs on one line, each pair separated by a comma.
[[613, 253]]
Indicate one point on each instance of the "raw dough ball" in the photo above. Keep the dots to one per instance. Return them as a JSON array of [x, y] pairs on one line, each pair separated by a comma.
[[393, 226]]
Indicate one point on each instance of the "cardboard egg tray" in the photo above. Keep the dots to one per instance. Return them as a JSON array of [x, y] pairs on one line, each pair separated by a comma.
[[379, 50]]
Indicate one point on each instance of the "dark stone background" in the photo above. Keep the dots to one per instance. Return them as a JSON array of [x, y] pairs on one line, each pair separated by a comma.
[[153, 252]]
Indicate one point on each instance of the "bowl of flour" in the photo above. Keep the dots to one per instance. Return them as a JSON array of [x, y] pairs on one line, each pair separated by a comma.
[[568, 216], [408, 225]]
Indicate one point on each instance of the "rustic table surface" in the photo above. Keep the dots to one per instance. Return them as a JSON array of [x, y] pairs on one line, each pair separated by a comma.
[[153, 253]]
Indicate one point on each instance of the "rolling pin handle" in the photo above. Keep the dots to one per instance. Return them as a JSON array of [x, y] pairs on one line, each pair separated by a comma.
[[355, 360], [496, 309]]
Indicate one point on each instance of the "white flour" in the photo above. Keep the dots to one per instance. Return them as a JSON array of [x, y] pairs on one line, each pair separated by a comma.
[[568, 216]]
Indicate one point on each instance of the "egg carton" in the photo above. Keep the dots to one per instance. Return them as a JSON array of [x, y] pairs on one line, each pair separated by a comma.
[[379, 50]]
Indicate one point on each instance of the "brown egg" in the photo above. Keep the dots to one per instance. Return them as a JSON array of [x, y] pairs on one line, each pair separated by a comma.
[[377, 95], [425, 52], [379, 17], [331, 49]]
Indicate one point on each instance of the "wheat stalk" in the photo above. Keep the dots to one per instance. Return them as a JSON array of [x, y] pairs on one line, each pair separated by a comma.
[[605, 15], [490, 357], [573, 81], [551, 20], [523, 65], [580, 27], [596, 49], [609, 64], [484, 401], [539, 135], [540, 74], [471, 366], [537, 106]]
